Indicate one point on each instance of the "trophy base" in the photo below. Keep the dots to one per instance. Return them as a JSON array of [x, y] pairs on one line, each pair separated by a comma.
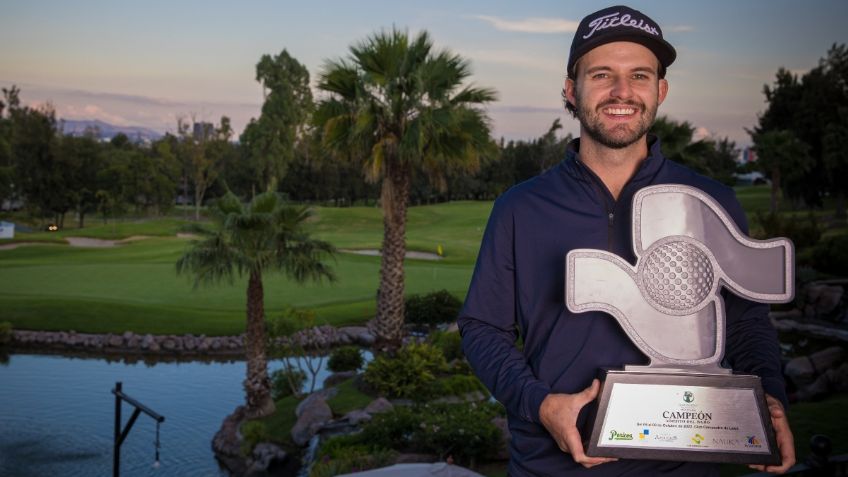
[[682, 417]]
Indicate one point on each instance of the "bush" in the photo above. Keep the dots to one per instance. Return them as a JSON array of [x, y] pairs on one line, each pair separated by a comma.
[[450, 343], [464, 431], [802, 232], [432, 309], [5, 333], [345, 454], [408, 375], [831, 256], [457, 385], [346, 358], [286, 381], [253, 432]]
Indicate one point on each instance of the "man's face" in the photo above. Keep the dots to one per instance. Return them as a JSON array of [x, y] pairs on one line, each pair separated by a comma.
[[617, 93]]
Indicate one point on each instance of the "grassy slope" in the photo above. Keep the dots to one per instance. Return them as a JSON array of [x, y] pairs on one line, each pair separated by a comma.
[[134, 287]]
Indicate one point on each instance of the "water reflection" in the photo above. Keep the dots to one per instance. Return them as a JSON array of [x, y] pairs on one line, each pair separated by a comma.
[[57, 413]]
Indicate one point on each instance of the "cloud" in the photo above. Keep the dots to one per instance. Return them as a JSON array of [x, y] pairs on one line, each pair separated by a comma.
[[531, 25], [679, 29], [516, 59]]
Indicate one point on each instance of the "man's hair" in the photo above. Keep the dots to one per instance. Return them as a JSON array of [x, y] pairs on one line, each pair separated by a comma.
[[571, 108]]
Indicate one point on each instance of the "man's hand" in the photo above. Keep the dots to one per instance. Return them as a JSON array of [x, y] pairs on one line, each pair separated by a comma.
[[558, 414], [785, 441]]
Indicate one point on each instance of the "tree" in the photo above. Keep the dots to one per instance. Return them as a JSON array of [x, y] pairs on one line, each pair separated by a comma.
[[836, 159], [783, 157], [262, 237], [270, 140], [202, 147], [397, 105]]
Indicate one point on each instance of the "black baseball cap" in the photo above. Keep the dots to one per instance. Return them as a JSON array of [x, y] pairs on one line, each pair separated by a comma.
[[619, 23]]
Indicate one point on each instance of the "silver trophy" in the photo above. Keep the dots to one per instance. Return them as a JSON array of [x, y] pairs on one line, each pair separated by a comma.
[[683, 405]]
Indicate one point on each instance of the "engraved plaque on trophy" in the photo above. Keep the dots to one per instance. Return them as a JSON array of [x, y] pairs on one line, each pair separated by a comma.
[[683, 405]]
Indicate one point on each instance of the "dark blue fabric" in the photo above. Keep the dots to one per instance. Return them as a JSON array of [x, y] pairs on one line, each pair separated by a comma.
[[518, 287]]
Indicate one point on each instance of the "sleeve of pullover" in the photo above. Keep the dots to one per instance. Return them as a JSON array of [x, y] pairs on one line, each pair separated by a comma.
[[488, 323]]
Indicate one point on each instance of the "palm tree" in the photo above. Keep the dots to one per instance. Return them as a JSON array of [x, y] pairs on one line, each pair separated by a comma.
[[401, 108], [263, 236]]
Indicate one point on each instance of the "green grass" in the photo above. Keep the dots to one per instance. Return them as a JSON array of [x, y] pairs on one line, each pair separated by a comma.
[[348, 399], [135, 287]]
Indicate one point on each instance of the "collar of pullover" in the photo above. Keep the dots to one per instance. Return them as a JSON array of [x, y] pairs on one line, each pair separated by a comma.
[[647, 168]]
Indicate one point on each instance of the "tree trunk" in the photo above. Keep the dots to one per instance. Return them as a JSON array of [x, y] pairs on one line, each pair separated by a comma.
[[775, 189], [257, 385], [840, 206], [388, 324]]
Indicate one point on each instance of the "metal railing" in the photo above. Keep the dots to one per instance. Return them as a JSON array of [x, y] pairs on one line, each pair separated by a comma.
[[121, 434]]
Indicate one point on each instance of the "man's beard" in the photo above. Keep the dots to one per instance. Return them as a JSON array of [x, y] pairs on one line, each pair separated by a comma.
[[620, 135]]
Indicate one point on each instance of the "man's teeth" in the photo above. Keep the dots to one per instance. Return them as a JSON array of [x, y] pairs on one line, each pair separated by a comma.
[[621, 111]]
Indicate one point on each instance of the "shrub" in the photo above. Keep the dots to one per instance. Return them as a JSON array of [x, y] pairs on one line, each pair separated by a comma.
[[831, 255], [464, 431], [252, 432], [286, 381], [802, 232], [346, 454], [346, 358], [409, 374], [5, 333], [457, 385], [432, 309], [450, 343]]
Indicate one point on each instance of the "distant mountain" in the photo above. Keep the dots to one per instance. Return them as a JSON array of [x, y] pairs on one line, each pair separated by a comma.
[[106, 131]]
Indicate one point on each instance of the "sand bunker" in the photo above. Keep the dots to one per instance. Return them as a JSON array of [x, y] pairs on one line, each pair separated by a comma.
[[409, 254], [101, 243]]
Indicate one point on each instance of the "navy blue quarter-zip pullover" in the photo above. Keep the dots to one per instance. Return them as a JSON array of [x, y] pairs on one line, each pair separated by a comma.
[[518, 286]]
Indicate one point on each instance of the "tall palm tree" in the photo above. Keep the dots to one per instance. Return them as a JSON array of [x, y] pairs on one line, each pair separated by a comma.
[[401, 107], [263, 236]]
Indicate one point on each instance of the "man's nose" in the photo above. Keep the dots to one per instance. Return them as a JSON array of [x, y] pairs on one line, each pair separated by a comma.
[[621, 88]]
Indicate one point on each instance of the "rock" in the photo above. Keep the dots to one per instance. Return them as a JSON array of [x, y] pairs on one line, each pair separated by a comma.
[[169, 344], [379, 405], [821, 299], [803, 370], [263, 455], [357, 334], [310, 420], [115, 341], [337, 378], [128, 335], [357, 416], [322, 395], [503, 426], [189, 343], [227, 442]]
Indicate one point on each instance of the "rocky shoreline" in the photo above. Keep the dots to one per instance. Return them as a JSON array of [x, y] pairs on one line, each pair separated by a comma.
[[321, 337]]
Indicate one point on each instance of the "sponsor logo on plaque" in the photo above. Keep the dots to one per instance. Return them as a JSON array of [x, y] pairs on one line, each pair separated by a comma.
[[644, 433], [753, 442], [665, 437], [689, 397], [726, 442], [697, 438], [620, 436]]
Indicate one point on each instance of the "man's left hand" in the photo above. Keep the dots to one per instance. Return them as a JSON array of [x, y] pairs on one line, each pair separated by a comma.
[[785, 441]]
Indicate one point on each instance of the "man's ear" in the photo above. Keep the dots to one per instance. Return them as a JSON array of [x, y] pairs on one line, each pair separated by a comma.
[[663, 91], [570, 90]]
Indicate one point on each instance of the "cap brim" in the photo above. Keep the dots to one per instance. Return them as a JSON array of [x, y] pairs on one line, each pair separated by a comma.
[[665, 53]]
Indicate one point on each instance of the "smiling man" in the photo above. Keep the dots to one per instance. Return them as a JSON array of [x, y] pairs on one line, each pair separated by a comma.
[[616, 81]]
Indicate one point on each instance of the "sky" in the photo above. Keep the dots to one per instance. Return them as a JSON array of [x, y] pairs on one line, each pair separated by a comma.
[[150, 63]]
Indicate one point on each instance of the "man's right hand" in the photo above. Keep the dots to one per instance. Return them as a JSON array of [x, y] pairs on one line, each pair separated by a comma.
[[558, 414]]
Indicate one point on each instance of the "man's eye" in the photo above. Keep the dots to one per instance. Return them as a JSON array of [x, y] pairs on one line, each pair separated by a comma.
[[600, 76], [640, 76]]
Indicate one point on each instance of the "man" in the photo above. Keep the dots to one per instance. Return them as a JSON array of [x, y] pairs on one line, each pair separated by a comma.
[[615, 83]]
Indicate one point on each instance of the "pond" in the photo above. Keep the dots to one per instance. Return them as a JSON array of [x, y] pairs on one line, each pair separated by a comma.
[[57, 414]]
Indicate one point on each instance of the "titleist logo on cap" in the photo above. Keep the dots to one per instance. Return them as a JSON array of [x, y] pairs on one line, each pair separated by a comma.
[[613, 20]]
